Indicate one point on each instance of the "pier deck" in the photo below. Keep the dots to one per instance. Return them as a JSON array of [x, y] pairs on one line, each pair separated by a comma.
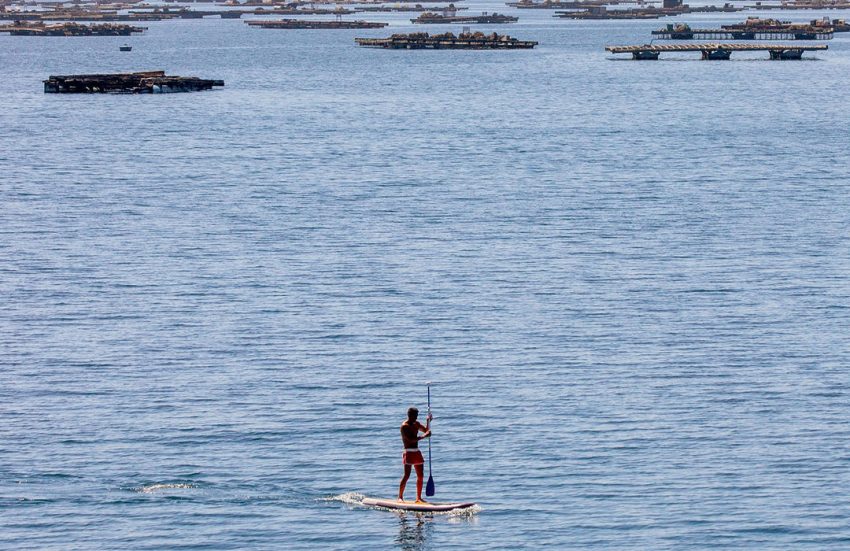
[[717, 50]]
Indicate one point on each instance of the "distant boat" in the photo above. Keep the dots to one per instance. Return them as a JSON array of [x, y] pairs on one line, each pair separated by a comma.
[[125, 48]]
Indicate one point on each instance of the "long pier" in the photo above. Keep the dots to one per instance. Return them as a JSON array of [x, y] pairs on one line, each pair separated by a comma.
[[717, 50]]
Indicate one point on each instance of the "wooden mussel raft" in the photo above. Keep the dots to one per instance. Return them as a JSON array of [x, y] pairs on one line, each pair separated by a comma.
[[402, 8], [573, 4], [150, 82], [715, 51], [430, 18], [683, 31], [447, 41], [301, 11], [69, 29], [303, 24]]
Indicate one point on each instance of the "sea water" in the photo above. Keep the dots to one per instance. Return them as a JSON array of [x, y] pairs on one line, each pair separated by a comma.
[[627, 281]]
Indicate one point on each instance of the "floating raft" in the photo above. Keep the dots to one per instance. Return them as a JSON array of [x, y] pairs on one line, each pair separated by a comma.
[[301, 11], [602, 13], [574, 4], [802, 6], [451, 8], [788, 33], [447, 41], [430, 18], [303, 24], [716, 50], [758, 24], [69, 29], [150, 82]]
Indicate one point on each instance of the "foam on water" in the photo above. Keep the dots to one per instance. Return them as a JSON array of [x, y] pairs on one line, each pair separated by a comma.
[[160, 487]]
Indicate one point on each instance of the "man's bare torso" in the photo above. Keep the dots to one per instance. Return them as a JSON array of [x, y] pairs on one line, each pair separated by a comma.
[[410, 434]]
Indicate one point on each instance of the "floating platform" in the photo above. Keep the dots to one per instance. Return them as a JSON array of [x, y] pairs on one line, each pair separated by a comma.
[[802, 6], [573, 4], [150, 82], [430, 18], [70, 29], [301, 11], [304, 24], [447, 41], [788, 32], [757, 24], [602, 13], [403, 8], [716, 50]]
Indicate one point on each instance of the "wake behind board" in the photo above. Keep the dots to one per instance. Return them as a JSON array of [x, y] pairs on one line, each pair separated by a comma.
[[413, 506]]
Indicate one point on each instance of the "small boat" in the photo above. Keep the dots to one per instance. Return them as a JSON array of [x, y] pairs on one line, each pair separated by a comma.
[[125, 48]]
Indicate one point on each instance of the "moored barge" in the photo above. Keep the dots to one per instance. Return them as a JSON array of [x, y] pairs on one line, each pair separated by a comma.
[[149, 82], [784, 32], [304, 24], [447, 41], [69, 29], [430, 18]]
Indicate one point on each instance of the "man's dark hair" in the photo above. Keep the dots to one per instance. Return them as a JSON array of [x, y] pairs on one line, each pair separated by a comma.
[[412, 413]]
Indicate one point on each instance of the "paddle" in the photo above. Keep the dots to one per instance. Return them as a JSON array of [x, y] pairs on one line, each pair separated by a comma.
[[429, 488]]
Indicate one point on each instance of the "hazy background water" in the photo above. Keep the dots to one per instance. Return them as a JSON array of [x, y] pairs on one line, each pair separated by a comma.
[[628, 282]]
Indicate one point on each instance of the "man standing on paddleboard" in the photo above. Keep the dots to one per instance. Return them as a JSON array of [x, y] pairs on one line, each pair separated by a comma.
[[412, 457]]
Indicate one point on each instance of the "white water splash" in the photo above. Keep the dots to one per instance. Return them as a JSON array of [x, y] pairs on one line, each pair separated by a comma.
[[349, 498], [151, 488]]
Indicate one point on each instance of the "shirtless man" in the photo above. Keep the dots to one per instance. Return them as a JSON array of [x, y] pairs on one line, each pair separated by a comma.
[[412, 457]]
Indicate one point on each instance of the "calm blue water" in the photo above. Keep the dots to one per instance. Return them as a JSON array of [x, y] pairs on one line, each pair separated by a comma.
[[628, 282]]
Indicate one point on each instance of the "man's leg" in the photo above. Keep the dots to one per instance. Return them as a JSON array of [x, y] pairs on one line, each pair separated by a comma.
[[420, 474], [404, 482]]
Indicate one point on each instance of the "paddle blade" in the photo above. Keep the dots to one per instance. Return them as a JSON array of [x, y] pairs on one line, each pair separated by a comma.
[[429, 488]]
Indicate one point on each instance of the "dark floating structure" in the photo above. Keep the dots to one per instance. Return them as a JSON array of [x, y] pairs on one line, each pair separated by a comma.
[[417, 8], [573, 4], [669, 8], [803, 5], [302, 11], [150, 82], [430, 18], [779, 32], [716, 51], [447, 41], [304, 24], [69, 29], [759, 25]]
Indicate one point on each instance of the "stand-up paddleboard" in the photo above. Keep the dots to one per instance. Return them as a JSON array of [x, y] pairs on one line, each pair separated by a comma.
[[413, 506]]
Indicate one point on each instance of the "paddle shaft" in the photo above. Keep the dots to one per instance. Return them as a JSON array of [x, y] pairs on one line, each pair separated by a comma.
[[429, 487], [429, 427]]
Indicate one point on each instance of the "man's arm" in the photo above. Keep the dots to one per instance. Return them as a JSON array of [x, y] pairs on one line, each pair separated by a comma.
[[426, 430]]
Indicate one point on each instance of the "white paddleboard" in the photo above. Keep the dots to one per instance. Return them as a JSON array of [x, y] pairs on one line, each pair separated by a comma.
[[413, 506]]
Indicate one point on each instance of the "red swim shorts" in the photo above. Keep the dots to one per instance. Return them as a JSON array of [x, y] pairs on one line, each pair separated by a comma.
[[412, 457]]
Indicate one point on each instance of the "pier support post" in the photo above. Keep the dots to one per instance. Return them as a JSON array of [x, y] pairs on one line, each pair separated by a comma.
[[716, 54]]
